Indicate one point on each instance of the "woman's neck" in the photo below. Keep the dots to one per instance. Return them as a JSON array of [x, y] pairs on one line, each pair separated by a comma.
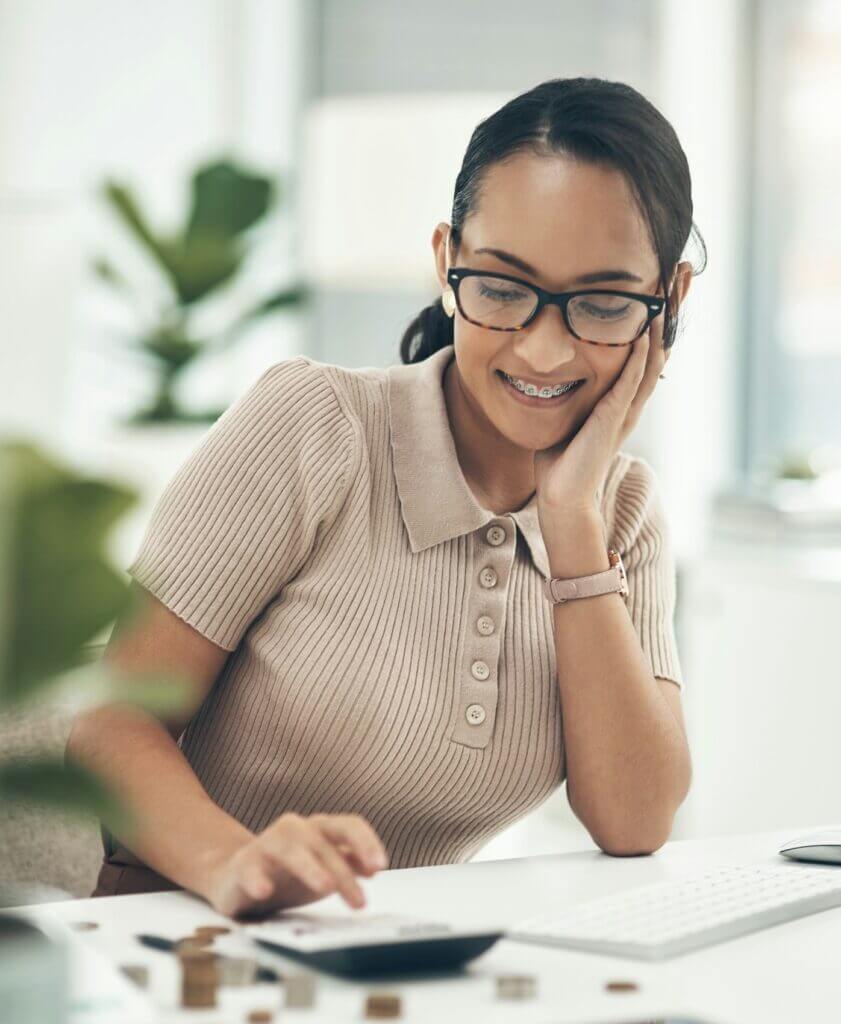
[[500, 475]]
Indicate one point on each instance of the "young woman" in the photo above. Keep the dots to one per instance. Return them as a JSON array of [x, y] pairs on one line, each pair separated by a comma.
[[352, 566]]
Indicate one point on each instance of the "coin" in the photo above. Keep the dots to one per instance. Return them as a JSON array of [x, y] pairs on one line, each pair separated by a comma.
[[84, 926], [516, 986], [382, 1006], [194, 942], [621, 986], [138, 973], [236, 970], [300, 990], [260, 1017]]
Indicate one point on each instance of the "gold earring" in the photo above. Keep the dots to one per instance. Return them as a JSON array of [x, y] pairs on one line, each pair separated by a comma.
[[448, 301]]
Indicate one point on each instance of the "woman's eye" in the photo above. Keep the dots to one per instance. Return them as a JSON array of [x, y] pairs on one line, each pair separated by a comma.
[[500, 296], [605, 314]]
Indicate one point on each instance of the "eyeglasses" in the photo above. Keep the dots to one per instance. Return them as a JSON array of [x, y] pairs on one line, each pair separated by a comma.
[[599, 316]]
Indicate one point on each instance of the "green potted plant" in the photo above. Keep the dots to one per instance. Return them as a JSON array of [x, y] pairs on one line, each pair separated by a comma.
[[201, 271], [204, 256], [58, 592]]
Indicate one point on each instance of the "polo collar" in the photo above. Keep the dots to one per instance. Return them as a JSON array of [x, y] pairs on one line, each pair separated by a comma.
[[435, 500]]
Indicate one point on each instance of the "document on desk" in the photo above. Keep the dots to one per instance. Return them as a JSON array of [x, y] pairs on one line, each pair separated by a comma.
[[311, 933]]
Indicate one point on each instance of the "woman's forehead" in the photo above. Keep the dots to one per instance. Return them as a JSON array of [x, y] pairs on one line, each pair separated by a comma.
[[564, 217]]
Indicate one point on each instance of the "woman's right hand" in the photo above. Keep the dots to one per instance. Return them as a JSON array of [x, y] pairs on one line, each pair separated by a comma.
[[294, 861]]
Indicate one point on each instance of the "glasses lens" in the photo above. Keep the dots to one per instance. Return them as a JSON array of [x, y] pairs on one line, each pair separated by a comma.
[[496, 302], [606, 318]]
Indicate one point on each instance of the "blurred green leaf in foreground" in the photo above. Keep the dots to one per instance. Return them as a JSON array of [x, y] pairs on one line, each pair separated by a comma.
[[58, 592]]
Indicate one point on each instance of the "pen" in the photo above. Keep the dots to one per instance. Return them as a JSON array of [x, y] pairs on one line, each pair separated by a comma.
[[167, 946]]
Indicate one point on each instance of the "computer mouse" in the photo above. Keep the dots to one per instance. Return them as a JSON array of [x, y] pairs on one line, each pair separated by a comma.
[[819, 847]]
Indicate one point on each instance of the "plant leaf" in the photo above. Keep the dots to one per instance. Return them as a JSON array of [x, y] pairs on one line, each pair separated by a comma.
[[161, 693], [126, 207], [227, 200], [67, 787], [107, 272], [57, 589], [199, 264]]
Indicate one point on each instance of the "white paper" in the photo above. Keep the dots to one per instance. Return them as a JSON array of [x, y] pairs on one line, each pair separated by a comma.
[[316, 932]]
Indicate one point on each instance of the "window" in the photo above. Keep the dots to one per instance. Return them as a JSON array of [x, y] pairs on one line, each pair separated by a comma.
[[794, 360]]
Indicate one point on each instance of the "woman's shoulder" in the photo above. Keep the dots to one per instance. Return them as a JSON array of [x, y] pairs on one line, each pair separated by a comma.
[[351, 383], [630, 497], [329, 389], [360, 392]]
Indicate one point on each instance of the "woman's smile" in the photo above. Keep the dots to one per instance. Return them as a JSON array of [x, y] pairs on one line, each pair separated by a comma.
[[535, 401]]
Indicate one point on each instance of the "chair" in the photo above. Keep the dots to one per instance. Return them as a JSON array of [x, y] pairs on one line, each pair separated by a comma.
[[56, 855]]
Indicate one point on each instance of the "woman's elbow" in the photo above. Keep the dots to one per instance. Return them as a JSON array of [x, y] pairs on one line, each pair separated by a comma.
[[635, 842]]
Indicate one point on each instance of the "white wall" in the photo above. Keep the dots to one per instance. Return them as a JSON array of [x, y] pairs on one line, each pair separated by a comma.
[[690, 429], [138, 91]]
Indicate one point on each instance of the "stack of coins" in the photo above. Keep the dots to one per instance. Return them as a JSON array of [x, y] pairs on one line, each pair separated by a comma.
[[516, 986], [199, 977], [300, 990], [236, 970], [382, 1006]]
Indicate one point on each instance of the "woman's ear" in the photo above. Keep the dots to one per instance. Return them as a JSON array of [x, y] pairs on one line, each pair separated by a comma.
[[440, 250], [681, 280]]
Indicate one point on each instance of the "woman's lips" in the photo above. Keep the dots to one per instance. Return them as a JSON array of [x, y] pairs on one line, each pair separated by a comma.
[[532, 400]]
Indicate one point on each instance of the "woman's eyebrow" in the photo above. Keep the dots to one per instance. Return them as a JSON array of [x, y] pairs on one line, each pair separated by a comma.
[[591, 278]]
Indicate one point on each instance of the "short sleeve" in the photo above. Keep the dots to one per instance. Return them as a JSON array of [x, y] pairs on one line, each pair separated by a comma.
[[641, 535], [242, 513]]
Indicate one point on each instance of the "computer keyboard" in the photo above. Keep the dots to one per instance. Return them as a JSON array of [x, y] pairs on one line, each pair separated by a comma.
[[663, 919]]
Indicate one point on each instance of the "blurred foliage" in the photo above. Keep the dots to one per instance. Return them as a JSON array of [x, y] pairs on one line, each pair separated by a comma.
[[58, 592], [795, 465], [203, 256]]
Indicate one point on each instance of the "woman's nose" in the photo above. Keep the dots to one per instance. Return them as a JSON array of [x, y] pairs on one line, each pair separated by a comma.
[[547, 344]]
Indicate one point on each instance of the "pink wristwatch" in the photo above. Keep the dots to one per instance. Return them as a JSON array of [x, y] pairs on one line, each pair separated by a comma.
[[612, 580]]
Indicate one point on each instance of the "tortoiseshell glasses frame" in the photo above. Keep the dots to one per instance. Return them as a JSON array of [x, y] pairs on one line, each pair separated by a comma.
[[654, 303]]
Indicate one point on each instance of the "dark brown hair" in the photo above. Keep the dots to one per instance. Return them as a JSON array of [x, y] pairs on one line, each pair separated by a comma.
[[590, 119]]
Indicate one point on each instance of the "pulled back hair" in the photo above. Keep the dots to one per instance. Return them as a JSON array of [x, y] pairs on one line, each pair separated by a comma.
[[600, 122]]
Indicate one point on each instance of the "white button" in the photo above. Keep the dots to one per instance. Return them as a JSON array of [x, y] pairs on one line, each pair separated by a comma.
[[485, 625], [495, 535], [480, 670], [487, 577], [475, 714]]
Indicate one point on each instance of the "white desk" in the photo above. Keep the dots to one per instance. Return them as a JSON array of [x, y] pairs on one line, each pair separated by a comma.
[[788, 974]]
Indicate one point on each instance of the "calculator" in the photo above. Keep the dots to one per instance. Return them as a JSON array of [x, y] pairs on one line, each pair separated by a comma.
[[367, 944]]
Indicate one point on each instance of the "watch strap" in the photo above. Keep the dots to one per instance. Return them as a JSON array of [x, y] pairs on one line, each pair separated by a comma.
[[612, 580]]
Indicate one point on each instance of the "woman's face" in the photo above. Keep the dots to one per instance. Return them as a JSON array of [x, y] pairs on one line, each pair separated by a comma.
[[565, 219]]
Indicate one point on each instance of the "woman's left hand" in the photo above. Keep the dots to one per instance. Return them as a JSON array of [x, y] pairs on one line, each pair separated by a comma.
[[570, 479]]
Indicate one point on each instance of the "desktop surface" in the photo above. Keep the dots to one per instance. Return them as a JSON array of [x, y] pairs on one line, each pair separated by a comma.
[[781, 974]]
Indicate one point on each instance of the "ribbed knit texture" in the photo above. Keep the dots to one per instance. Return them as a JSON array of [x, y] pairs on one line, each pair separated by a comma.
[[324, 534]]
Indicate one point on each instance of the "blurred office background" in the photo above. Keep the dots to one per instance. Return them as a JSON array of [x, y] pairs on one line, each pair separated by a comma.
[[360, 111]]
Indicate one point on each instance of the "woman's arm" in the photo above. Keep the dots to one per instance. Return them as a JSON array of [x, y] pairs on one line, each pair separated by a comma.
[[181, 832], [628, 762]]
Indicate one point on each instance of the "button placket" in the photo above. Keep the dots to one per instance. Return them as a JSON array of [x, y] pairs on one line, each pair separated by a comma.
[[491, 556]]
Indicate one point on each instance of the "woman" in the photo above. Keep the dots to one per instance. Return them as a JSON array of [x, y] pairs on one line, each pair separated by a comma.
[[351, 566]]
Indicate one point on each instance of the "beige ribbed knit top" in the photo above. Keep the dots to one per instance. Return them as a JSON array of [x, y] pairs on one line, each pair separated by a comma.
[[392, 651]]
